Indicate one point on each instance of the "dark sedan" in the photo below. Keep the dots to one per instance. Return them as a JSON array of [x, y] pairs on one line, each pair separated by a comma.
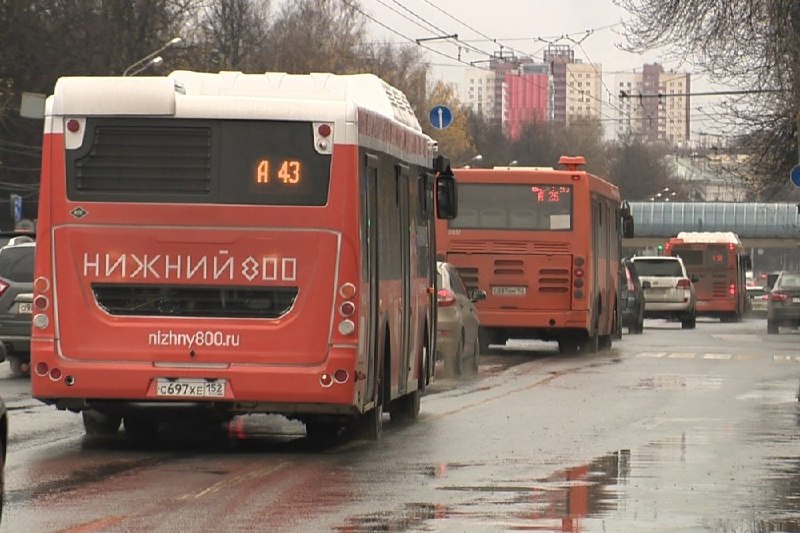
[[783, 307], [631, 297]]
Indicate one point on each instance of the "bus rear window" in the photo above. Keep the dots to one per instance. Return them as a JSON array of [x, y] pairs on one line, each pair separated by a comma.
[[255, 162], [513, 207]]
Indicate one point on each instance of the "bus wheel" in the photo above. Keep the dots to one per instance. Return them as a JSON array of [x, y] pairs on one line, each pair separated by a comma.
[[568, 347], [592, 344], [140, 426], [322, 432], [485, 338], [688, 323], [604, 342], [406, 407], [97, 423], [772, 327]]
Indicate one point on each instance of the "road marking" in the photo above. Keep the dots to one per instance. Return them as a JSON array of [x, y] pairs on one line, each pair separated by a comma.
[[95, 525], [717, 356], [748, 357], [228, 483], [784, 358], [682, 355], [651, 354]]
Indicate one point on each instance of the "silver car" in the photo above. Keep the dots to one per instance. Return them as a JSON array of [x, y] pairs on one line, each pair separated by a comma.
[[457, 321], [671, 293]]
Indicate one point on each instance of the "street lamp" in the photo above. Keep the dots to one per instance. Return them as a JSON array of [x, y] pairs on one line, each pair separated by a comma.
[[465, 164], [152, 63], [149, 59]]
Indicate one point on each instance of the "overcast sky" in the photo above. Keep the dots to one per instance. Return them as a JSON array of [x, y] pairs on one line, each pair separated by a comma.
[[526, 26]]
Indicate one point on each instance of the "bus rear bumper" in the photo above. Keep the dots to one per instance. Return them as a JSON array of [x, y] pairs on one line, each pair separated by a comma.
[[77, 385], [544, 320]]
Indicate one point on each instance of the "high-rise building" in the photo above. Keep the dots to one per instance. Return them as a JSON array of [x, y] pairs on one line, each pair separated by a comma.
[[527, 98], [654, 104]]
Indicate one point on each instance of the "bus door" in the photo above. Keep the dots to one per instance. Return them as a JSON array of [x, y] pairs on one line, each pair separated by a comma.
[[403, 190], [370, 271]]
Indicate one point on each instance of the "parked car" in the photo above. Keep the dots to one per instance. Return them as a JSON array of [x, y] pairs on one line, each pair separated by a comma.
[[783, 306], [3, 446], [671, 293], [457, 321], [631, 297], [757, 300], [16, 302]]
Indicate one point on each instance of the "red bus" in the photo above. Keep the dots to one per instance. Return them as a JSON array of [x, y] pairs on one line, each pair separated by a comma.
[[720, 263], [544, 245], [223, 244]]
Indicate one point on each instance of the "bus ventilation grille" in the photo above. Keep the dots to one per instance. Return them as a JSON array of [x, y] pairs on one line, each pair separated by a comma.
[[468, 247], [470, 277], [191, 301], [128, 159], [554, 280], [540, 247]]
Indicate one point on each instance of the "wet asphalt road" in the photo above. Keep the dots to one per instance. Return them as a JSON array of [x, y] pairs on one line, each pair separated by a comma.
[[669, 431]]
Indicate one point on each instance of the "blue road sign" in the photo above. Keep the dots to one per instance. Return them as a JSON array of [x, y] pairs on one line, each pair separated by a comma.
[[794, 175], [441, 117]]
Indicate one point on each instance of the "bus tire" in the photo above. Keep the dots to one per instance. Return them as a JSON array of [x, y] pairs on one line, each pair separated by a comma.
[[485, 338], [140, 426], [688, 323], [604, 342], [592, 344], [97, 423], [568, 347], [772, 327], [406, 407]]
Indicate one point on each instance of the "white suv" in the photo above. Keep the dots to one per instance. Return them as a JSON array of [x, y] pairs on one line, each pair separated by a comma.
[[668, 289]]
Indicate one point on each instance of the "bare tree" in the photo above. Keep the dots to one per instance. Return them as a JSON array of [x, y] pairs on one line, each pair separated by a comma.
[[233, 33], [750, 44]]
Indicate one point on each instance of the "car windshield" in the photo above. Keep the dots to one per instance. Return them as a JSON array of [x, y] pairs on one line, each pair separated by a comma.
[[16, 263], [658, 267]]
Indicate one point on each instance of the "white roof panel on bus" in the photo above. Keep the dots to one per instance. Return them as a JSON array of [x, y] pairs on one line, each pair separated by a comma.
[[150, 96], [709, 236]]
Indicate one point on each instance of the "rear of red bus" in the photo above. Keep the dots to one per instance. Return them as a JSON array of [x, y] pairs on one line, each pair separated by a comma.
[[524, 236], [202, 262], [719, 276]]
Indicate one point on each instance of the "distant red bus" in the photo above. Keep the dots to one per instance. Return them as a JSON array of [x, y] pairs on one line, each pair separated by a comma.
[[720, 264], [544, 245], [222, 244]]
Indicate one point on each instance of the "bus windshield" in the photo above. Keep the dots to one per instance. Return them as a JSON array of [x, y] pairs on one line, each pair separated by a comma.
[[513, 207]]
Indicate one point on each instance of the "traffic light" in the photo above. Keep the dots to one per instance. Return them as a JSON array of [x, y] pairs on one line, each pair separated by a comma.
[[660, 249]]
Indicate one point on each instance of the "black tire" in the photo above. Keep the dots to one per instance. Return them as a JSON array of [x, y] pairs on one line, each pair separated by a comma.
[[476, 355], [688, 323], [568, 347], [772, 327], [97, 423], [19, 368], [406, 407], [322, 432], [140, 426], [458, 360], [592, 344], [485, 338], [604, 342]]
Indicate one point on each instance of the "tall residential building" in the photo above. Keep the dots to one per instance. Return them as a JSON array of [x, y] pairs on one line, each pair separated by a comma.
[[527, 98], [476, 88], [655, 105], [583, 96]]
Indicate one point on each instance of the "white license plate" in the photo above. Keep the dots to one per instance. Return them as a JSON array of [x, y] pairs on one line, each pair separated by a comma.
[[796, 300], [509, 291], [190, 388], [24, 308]]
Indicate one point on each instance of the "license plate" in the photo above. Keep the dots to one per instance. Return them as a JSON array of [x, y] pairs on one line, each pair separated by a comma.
[[24, 308], [190, 388], [509, 291], [796, 300]]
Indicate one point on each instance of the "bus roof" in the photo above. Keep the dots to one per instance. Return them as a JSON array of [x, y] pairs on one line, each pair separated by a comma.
[[707, 237], [157, 95]]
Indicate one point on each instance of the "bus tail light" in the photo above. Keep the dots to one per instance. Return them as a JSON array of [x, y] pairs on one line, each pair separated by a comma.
[[347, 291], [445, 298], [41, 303], [55, 374], [41, 284], [341, 375], [347, 327], [683, 284], [347, 309], [578, 272], [41, 369], [732, 289], [326, 380]]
